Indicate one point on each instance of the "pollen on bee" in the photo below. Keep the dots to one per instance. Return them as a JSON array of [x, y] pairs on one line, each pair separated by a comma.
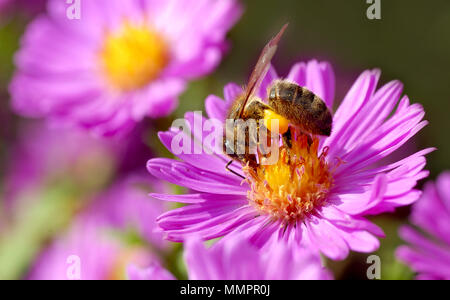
[[296, 185], [270, 116]]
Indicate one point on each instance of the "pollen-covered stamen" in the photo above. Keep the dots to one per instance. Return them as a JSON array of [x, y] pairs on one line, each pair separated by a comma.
[[133, 56], [296, 185]]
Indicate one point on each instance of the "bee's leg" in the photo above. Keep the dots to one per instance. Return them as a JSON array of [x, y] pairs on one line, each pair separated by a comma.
[[287, 139], [287, 142], [308, 137], [227, 167], [310, 140]]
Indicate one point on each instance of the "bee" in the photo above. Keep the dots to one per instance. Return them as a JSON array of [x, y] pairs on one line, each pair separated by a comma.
[[289, 103]]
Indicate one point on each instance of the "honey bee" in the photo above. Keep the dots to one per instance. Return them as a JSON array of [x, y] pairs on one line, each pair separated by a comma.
[[289, 103]]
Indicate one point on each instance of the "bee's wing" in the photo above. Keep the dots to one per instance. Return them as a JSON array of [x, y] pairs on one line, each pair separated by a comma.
[[261, 68]]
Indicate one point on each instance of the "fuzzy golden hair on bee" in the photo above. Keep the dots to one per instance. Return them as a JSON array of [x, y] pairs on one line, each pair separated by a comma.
[[301, 107], [286, 102]]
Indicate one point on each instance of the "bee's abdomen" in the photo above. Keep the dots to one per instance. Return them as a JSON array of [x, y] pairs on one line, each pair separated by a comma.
[[301, 106]]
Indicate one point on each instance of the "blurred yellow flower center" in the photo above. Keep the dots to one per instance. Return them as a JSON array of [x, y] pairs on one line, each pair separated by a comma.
[[133, 56], [296, 185], [125, 257]]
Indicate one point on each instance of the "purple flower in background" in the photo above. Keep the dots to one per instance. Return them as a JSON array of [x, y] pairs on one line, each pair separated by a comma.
[[31, 7], [154, 272], [99, 256], [119, 62], [234, 258], [96, 239], [127, 205], [320, 196], [44, 155], [430, 256], [4, 4]]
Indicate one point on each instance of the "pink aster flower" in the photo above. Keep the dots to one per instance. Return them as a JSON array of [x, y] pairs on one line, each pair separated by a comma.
[[319, 194], [44, 155], [120, 62], [234, 258], [430, 256], [95, 240]]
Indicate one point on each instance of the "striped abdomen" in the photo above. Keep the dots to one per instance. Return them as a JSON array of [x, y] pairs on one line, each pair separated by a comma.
[[301, 107]]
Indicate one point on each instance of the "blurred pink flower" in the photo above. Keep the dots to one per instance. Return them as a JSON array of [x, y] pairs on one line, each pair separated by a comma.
[[4, 4], [234, 258], [429, 256], [43, 155], [327, 207], [120, 62], [31, 7], [154, 272], [95, 235]]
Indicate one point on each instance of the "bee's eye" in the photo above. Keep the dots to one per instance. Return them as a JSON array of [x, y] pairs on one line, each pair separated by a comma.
[[273, 93], [286, 94]]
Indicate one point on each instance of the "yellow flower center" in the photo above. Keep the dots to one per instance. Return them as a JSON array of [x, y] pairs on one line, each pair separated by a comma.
[[133, 56], [296, 185]]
